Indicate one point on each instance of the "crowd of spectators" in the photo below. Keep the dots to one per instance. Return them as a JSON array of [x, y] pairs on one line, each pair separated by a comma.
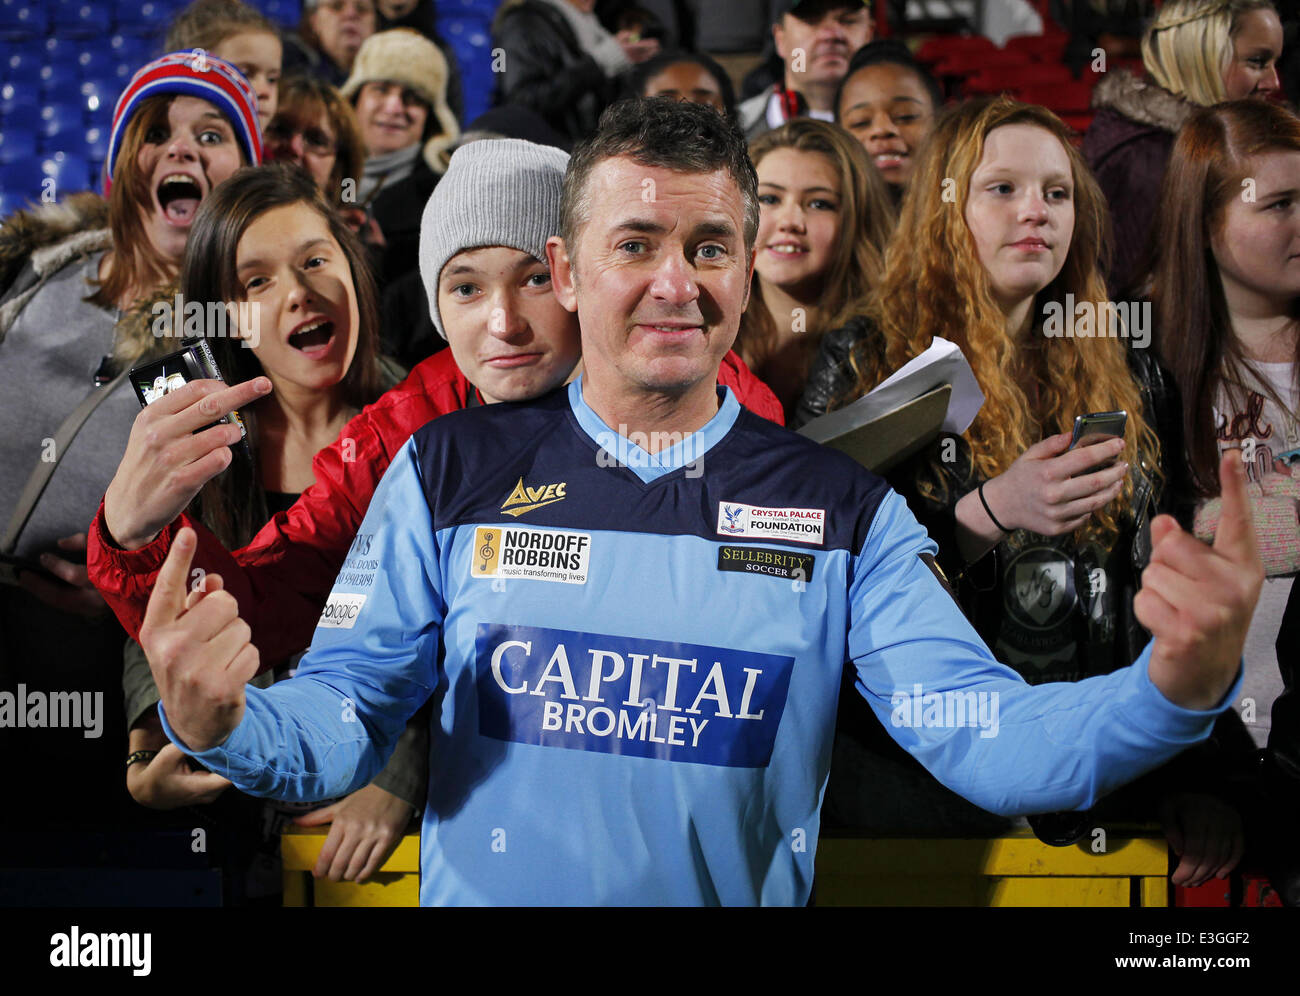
[[400, 263]]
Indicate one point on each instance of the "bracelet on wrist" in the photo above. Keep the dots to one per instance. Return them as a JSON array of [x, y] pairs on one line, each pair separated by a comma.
[[988, 511], [140, 755]]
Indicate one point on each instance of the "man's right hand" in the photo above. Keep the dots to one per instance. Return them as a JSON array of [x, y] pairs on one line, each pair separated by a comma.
[[166, 463], [198, 650]]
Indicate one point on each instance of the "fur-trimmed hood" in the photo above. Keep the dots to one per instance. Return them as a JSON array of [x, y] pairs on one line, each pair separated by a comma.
[[51, 237], [1142, 101]]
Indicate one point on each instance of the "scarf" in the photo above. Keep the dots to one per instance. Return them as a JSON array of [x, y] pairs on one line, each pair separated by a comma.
[[386, 170]]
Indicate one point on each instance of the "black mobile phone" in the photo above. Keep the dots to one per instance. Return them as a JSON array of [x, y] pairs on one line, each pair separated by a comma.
[[1095, 427], [193, 361]]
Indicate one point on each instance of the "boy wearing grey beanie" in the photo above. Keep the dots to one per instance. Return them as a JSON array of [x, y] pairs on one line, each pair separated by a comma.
[[483, 263]]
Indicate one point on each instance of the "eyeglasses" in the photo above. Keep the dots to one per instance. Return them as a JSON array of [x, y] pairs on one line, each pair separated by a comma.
[[313, 139]]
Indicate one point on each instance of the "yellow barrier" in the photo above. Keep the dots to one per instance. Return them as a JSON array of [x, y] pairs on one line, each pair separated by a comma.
[[1014, 870], [397, 883]]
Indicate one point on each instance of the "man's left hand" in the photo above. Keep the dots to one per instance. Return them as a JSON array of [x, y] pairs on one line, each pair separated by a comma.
[[1197, 600]]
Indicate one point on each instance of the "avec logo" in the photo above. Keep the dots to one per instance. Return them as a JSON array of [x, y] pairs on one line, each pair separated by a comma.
[[524, 499]]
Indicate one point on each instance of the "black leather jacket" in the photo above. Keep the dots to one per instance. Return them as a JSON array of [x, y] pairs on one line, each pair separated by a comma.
[[547, 71], [830, 384]]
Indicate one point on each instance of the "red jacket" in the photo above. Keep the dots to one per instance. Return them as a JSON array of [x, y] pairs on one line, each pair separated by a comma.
[[283, 577]]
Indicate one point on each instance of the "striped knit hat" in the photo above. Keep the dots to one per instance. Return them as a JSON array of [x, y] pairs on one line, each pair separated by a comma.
[[192, 74]]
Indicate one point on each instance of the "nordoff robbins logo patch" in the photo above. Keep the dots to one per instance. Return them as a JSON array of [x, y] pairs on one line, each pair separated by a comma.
[[803, 525], [341, 611], [524, 499], [525, 552]]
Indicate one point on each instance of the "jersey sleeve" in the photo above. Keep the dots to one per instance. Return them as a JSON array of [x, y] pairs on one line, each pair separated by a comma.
[[1007, 746], [328, 730]]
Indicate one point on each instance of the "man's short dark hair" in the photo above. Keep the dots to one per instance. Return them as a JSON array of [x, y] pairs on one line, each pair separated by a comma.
[[666, 133]]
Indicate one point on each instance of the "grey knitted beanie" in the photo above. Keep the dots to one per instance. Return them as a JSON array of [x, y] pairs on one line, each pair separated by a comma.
[[496, 192]]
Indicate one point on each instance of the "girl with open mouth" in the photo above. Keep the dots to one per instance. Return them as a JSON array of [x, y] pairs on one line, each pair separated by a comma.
[[78, 283], [269, 245]]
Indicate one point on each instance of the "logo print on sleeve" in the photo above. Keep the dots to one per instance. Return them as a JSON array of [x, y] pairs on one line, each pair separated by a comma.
[[803, 525], [635, 697], [341, 611], [524, 499], [532, 554]]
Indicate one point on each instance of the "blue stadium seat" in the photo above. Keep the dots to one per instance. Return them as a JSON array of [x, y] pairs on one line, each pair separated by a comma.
[[59, 119], [66, 63], [96, 144], [21, 178], [287, 12], [80, 18], [97, 62], [10, 202], [101, 92], [148, 19], [22, 64], [16, 144], [23, 19], [58, 86], [100, 97], [131, 49], [19, 109], [484, 9], [70, 172]]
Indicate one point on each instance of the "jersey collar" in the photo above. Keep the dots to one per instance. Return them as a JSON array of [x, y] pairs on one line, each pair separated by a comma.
[[651, 466]]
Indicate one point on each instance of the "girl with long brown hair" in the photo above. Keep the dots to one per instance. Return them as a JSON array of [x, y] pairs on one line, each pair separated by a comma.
[[1226, 291], [824, 219], [80, 284], [301, 301]]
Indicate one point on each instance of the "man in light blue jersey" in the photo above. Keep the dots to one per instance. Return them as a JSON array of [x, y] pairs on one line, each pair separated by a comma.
[[631, 602]]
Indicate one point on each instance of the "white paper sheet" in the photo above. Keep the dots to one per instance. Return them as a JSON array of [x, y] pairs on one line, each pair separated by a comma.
[[942, 363]]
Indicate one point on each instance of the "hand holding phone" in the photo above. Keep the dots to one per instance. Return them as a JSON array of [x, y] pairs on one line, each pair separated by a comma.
[[174, 449], [1050, 488]]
